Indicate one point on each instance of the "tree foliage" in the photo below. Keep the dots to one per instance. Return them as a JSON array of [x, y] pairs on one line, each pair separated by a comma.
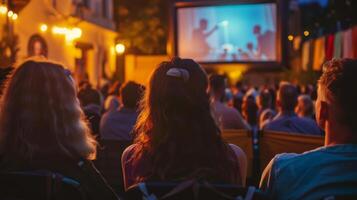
[[8, 46], [142, 25]]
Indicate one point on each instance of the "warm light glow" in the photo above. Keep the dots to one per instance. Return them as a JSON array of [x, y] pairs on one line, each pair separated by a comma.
[[78, 53], [14, 16], [77, 32], [10, 13], [59, 30], [119, 48], [235, 75], [290, 37], [306, 33], [3, 9], [43, 27], [70, 34], [73, 34]]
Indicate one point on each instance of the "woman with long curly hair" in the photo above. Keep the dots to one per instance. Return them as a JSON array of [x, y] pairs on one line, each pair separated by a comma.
[[42, 127], [176, 136]]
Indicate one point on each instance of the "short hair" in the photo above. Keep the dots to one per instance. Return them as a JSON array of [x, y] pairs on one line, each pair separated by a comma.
[[336, 85], [217, 82], [265, 99], [89, 96], [131, 94], [250, 109], [287, 95], [308, 109]]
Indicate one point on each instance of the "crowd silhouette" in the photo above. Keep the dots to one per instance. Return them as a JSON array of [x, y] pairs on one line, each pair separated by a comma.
[[171, 131]]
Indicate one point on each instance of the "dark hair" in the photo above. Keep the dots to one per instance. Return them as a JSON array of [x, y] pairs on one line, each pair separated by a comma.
[[265, 99], [131, 94], [115, 88], [250, 110], [177, 134], [239, 84], [339, 78], [217, 82], [88, 96], [40, 116], [30, 46], [4, 74], [287, 95]]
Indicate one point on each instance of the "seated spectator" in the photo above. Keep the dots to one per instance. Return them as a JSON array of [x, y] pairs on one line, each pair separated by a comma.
[[329, 170], [111, 102], [118, 124], [226, 117], [265, 111], [4, 73], [41, 127], [238, 94], [177, 137], [286, 120], [91, 102], [305, 107], [266, 117], [250, 110]]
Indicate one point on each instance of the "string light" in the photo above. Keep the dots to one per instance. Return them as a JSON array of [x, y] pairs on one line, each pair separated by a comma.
[[14, 16], [70, 34], [306, 33], [119, 48], [10, 13], [290, 37], [3, 9], [43, 27]]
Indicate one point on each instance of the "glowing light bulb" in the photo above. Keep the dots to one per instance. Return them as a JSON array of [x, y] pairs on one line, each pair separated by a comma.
[[43, 27], [10, 13], [76, 32], [290, 37], [119, 48], [3, 9], [306, 33], [14, 16]]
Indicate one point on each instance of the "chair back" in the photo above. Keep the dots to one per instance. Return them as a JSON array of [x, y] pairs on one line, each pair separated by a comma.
[[192, 189], [108, 162], [273, 142], [243, 139], [39, 185]]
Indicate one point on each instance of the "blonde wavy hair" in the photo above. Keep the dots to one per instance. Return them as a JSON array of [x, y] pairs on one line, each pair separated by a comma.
[[40, 115]]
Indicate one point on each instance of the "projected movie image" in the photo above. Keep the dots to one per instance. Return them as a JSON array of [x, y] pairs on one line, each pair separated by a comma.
[[229, 33]]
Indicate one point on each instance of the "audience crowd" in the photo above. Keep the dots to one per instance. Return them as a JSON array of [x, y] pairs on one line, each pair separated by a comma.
[[174, 126]]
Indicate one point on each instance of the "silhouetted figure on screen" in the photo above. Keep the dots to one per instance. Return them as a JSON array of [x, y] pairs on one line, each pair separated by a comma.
[[199, 38], [266, 43]]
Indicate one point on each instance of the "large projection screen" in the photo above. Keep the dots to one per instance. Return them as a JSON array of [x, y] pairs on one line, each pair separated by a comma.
[[228, 33]]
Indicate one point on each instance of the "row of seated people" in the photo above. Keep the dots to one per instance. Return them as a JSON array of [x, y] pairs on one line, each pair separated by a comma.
[[176, 138], [293, 113]]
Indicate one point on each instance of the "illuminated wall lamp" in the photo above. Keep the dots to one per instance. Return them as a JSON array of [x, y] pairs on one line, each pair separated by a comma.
[[119, 48]]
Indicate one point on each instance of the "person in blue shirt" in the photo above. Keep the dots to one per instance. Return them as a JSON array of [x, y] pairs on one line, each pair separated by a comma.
[[329, 170], [118, 124], [286, 120]]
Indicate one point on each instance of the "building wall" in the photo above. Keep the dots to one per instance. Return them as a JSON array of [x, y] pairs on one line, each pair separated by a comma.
[[39, 12], [139, 68]]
